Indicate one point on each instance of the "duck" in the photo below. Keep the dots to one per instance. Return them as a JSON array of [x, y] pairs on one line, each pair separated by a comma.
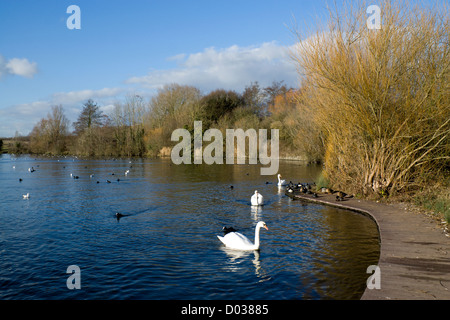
[[236, 240], [342, 195], [281, 182], [326, 190], [257, 199], [26, 196], [120, 215]]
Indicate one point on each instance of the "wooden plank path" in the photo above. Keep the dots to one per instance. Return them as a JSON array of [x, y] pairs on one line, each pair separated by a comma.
[[414, 249]]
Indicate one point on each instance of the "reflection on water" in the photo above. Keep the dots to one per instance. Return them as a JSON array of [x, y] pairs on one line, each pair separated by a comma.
[[236, 257], [165, 243], [256, 212]]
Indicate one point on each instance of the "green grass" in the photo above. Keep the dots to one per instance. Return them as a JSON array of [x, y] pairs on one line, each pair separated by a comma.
[[322, 182], [438, 202]]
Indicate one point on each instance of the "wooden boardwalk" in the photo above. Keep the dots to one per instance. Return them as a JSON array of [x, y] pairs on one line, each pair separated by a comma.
[[414, 250]]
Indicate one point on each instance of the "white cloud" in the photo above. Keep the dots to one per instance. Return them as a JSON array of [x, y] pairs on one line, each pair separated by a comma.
[[23, 117], [22, 67], [74, 97], [230, 68], [16, 66], [107, 109], [178, 57]]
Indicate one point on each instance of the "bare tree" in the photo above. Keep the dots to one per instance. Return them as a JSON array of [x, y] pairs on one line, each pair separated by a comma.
[[50, 134]]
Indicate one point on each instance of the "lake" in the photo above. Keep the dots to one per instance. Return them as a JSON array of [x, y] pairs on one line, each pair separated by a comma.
[[165, 247]]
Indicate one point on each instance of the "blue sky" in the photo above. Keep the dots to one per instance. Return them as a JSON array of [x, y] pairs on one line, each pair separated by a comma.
[[137, 46]]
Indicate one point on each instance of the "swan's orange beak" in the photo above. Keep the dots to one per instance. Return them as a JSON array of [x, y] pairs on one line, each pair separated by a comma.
[[265, 227]]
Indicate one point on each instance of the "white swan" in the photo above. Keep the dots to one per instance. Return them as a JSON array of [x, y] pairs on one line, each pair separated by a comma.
[[280, 181], [257, 199], [26, 196], [236, 240]]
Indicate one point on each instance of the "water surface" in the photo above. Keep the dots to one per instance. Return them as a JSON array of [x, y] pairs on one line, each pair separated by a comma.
[[166, 245]]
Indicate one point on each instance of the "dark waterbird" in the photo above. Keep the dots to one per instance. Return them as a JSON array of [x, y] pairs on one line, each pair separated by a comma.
[[120, 215], [228, 230]]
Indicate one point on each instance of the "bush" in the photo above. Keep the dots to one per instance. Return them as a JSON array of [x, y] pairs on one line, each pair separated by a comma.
[[380, 98]]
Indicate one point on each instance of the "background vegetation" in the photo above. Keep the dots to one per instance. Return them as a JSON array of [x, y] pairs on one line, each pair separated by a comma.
[[380, 99], [139, 128]]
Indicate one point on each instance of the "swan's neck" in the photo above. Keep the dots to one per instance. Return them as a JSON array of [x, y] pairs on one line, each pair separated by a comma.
[[258, 228]]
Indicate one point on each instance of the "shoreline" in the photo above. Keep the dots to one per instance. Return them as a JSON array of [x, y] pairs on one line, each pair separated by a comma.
[[414, 257]]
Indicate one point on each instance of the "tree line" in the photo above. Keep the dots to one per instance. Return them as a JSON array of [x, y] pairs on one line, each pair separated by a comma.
[[142, 128]]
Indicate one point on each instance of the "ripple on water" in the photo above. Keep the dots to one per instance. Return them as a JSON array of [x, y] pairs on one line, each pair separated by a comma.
[[166, 247]]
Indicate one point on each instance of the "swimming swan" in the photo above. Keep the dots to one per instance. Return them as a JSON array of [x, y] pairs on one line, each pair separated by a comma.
[[26, 196], [280, 181], [236, 240], [257, 199]]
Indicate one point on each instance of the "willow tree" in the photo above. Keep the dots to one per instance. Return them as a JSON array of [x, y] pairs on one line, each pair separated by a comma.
[[379, 97]]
